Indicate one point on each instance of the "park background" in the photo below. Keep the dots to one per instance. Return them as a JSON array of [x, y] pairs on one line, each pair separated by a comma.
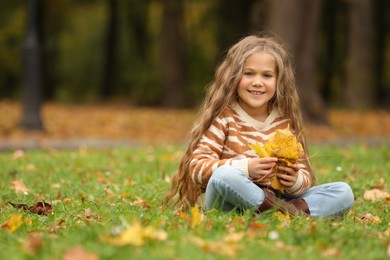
[[127, 77], [137, 70]]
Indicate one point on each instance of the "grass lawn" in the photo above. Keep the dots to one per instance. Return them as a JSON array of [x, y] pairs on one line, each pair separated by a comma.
[[106, 204]]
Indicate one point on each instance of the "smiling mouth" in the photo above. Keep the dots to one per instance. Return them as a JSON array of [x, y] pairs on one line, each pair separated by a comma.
[[256, 93]]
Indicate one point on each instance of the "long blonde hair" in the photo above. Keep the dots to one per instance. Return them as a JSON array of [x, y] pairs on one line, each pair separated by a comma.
[[223, 91]]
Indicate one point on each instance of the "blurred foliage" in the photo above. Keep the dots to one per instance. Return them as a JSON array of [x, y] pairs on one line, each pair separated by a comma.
[[73, 48]]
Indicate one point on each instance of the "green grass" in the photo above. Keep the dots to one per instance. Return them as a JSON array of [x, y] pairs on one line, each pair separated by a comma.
[[92, 193]]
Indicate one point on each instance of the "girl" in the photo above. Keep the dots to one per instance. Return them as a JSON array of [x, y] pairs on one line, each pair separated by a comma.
[[252, 95]]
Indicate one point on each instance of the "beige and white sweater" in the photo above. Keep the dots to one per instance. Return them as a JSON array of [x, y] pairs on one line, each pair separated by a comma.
[[226, 143]]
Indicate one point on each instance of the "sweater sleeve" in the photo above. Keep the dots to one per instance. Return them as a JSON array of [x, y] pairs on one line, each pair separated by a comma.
[[207, 156]]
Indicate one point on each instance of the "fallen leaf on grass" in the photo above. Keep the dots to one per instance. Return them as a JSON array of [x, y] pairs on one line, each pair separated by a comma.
[[282, 216], [79, 253], [18, 154], [384, 235], [369, 218], [376, 195], [19, 186], [91, 216], [281, 246], [257, 229], [330, 252], [57, 226], [13, 223], [33, 244], [228, 246], [41, 208], [195, 219], [136, 235], [197, 216], [31, 167], [140, 203]]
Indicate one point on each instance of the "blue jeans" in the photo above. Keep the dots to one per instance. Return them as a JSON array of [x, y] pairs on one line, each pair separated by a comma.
[[229, 188]]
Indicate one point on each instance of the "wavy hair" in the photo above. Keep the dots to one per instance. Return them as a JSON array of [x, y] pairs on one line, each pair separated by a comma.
[[223, 91]]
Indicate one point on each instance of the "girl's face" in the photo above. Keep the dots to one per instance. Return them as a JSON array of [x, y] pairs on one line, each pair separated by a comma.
[[257, 85]]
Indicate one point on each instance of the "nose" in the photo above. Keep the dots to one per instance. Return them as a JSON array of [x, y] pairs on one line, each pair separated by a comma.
[[257, 81]]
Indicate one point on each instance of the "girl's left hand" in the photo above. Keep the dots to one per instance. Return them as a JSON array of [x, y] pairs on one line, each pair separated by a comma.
[[291, 175]]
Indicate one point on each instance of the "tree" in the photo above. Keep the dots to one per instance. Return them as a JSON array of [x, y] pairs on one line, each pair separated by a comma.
[[109, 50], [296, 23], [32, 74], [234, 21], [51, 21], [360, 89], [172, 55]]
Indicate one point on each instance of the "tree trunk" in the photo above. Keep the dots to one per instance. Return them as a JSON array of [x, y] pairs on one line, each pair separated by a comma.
[[172, 55], [109, 65], [234, 22], [382, 9], [32, 74], [296, 23], [361, 87], [50, 22]]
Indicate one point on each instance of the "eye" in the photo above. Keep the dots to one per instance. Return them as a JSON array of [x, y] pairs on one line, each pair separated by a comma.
[[248, 73]]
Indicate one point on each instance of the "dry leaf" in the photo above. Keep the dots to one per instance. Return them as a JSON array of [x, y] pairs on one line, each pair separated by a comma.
[[284, 145], [90, 216], [33, 244], [183, 216], [140, 203], [257, 229], [31, 167], [79, 253], [18, 154], [136, 235], [196, 216], [40, 208], [19, 186], [330, 252], [369, 218], [224, 247], [128, 181], [124, 195], [57, 226], [13, 223], [376, 194], [282, 216]]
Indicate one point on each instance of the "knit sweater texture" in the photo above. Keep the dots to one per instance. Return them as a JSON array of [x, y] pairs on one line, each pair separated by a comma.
[[226, 143]]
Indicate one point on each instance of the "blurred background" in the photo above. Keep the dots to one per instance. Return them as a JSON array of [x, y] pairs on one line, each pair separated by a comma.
[[163, 53]]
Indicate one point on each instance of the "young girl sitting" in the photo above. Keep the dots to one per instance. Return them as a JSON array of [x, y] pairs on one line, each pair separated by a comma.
[[252, 95]]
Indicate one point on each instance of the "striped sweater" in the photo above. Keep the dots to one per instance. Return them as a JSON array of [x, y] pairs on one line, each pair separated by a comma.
[[226, 143]]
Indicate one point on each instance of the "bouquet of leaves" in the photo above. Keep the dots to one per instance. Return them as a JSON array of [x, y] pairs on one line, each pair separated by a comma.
[[283, 145]]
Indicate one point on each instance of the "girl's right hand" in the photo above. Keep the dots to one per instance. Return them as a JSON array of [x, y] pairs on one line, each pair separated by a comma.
[[261, 169]]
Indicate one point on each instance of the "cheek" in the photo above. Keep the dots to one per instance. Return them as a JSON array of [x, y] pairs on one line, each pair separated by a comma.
[[243, 83]]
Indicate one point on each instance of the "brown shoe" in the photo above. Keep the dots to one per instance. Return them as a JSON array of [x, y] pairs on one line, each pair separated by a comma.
[[271, 201], [301, 205]]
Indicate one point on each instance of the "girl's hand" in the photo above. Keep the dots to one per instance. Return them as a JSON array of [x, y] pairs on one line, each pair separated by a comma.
[[261, 169], [290, 176]]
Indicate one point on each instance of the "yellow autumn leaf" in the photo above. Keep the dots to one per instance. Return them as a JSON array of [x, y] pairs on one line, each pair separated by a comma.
[[13, 223], [259, 149], [136, 235], [282, 216], [284, 145], [196, 216]]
